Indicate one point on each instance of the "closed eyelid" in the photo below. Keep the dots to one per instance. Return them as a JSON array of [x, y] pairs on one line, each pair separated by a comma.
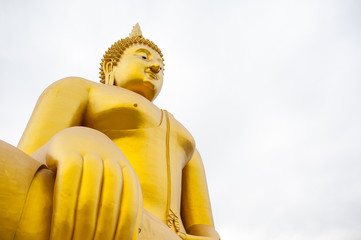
[[142, 50]]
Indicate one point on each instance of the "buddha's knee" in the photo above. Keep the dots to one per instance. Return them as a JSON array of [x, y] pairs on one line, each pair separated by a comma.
[[25, 195]]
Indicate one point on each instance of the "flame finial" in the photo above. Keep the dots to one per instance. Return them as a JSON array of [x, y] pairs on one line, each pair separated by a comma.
[[136, 31]]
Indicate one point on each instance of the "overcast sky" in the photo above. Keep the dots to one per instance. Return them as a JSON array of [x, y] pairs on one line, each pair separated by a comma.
[[270, 90]]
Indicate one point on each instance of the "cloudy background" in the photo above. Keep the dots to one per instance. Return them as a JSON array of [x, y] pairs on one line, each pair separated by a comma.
[[269, 89]]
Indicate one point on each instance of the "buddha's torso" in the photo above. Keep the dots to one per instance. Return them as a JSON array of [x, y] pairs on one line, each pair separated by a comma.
[[155, 144]]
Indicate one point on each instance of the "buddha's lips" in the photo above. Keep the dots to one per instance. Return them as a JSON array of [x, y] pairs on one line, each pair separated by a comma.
[[151, 75]]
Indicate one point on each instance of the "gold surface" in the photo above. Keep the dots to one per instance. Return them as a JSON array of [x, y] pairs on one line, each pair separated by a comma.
[[125, 169]]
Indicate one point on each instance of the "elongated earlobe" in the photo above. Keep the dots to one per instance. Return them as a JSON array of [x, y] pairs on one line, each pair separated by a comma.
[[109, 74], [109, 78]]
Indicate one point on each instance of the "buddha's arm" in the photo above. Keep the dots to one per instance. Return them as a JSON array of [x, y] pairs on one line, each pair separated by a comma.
[[60, 106], [88, 166], [196, 208]]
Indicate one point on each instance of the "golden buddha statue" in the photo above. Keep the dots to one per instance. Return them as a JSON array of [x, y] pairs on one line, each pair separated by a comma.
[[101, 161]]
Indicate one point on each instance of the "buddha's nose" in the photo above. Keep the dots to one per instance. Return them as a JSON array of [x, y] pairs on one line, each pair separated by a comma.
[[155, 68]]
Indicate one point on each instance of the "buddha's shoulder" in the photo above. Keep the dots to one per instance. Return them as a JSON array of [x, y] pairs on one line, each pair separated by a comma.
[[68, 88], [72, 82], [94, 90]]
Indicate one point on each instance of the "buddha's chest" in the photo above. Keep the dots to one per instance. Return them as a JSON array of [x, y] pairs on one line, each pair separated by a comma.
[[156, 145], [120, 109], [158, 156]]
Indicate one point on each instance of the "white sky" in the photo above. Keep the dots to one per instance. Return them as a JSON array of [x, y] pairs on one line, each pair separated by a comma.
[[269, 89]]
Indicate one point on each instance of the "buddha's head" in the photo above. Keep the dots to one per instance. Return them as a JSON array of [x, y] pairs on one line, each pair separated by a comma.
[[134, 63]]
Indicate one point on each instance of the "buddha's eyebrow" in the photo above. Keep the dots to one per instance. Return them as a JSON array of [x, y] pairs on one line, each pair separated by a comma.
[[143, 50]]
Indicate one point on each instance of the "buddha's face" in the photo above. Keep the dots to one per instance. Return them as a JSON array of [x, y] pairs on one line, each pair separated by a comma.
[[140, 69]]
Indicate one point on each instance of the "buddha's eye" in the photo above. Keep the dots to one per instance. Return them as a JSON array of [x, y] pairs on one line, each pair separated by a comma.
[[143, 56]]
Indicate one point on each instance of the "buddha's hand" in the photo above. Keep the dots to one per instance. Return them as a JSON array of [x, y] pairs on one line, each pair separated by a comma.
[[97, 193]]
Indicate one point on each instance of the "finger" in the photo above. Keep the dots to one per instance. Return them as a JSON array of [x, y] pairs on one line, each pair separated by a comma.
[[110, 200], [67, 181], [87, 206], [130, 206]]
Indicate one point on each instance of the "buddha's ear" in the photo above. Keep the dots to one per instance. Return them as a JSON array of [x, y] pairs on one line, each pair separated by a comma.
[[108, 72], [108, 66]]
